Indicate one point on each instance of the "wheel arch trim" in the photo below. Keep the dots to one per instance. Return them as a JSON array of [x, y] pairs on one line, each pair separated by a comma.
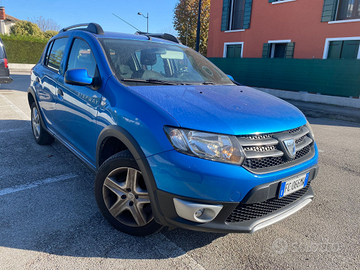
[[32, 93]]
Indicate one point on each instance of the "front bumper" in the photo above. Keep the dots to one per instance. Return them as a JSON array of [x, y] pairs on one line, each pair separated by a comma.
[[260, 208]]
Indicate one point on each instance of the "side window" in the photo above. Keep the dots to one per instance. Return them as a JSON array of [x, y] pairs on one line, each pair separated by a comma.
[[47, 56], [55, 53], [81, 56]]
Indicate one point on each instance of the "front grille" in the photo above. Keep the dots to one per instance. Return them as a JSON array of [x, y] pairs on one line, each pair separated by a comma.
[[301, 139], [260, 163], [267, 152], [259, 149], [258, 137], [246, 212]]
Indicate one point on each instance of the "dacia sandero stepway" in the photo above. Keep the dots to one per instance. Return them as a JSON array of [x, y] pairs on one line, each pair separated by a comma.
[[173, 140]]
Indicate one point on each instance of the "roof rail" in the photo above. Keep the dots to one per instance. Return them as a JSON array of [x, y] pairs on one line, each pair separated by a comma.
[[91, 27], [165, 36]]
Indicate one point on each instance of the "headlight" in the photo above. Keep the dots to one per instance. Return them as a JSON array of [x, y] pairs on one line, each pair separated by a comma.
[[312, 136], [216, 147]]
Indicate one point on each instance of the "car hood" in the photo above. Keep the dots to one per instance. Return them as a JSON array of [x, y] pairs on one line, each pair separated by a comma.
[[226, 109]]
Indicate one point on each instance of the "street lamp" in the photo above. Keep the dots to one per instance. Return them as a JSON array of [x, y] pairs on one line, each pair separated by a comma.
[[147, 20]]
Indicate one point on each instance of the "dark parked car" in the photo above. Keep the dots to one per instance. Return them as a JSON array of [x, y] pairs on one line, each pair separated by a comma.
[[173, 141], [4, 69]]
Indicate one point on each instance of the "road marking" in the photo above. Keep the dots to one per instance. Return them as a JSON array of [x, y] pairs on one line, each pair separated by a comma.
[[20, 113], [35, 184], [170, 250], [13, 129], [6, 92]]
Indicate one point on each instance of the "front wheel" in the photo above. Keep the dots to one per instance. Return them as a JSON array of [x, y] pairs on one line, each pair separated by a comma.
[[122, 196]]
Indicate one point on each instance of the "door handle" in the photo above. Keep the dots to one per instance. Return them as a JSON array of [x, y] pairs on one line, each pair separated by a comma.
[[60, 92], [38, 79]]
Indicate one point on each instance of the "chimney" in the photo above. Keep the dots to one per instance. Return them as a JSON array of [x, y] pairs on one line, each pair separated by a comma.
[[2, 14]]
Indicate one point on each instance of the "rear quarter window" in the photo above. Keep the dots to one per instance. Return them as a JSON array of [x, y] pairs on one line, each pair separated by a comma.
[[55, 53]]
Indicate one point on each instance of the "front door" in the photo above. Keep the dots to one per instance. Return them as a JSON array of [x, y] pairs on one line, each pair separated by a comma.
[[77, 107]]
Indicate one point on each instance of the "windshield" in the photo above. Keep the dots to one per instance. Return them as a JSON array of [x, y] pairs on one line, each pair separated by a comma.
[[137, 62]]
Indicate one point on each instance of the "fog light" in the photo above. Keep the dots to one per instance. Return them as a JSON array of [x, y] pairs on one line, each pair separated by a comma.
[[196, 212], [199, 212]]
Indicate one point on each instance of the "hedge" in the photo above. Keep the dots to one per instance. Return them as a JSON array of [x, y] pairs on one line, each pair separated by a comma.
[[23, 49]]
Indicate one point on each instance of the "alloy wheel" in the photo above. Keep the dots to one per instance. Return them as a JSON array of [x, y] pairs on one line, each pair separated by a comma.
[[35, 122], [126, 197]]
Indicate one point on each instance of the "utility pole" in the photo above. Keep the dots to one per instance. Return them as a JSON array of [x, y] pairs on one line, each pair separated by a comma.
[[198, 29]]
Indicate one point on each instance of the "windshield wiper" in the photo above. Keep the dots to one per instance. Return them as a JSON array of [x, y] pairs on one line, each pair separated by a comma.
[[153, 81]]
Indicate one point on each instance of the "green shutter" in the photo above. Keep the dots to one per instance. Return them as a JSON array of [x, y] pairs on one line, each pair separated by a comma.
[[247, 14], [270, 1], [238, 51], [266, 50], [329, 10], [225, 15], [335, 50], [350, 49], [290, 50], [230, 51]]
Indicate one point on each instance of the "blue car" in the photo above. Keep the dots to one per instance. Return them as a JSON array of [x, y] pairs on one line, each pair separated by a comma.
[[173, 141]]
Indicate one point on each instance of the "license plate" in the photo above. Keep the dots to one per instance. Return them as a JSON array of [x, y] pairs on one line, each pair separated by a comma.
[[294, 184]]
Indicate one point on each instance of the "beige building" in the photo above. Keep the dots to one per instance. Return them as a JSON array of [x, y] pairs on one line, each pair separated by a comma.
[[6, 21]]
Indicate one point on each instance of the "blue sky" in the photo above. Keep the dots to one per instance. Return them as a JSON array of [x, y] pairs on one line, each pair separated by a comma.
[[69, 12]]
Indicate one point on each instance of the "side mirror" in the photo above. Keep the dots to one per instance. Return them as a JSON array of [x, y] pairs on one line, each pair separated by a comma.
[[78, 76], [230, 77]]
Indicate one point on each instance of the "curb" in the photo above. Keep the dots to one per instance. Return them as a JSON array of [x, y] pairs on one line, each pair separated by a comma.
[[20, 67], [314, 110], [314, 98]]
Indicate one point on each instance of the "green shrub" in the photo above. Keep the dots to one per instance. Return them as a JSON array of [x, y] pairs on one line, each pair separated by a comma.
[[23, 49], [26, 28], [50, 33]]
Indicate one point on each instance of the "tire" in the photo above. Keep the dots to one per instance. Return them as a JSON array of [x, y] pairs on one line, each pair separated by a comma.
[[41, 136], [122, 196]]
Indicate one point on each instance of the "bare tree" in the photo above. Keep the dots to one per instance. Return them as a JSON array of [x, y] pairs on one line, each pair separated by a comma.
[[45, 24]]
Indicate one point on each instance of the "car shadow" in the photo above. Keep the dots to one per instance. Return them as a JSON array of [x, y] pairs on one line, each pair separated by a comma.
[[40, 213], [20, 82]]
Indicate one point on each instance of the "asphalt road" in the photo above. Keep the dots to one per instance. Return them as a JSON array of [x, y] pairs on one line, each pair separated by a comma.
[[49, 218]]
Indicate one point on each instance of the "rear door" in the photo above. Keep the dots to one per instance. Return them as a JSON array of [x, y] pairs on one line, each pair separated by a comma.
[[47, 93], [77, 107]]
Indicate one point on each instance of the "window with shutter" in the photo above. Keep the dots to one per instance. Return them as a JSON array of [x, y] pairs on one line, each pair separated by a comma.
[[236, 15], [278, 49]]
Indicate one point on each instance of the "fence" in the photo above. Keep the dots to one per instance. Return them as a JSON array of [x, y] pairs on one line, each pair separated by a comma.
[[335, 77]]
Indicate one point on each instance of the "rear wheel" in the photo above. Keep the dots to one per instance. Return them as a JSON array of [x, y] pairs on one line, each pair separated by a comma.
[[122, 196], [41, 136]]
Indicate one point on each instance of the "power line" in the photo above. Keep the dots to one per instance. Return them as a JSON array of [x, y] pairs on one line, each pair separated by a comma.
[[126, 22]]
